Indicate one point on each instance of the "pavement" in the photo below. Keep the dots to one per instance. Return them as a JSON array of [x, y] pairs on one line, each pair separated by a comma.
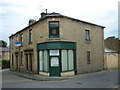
[[35, 76], [44, 78], [101, 79]]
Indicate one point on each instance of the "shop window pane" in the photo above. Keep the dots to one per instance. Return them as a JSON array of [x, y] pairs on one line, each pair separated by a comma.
[[70, 58], [64, 60], [40, 61], [45, 60]]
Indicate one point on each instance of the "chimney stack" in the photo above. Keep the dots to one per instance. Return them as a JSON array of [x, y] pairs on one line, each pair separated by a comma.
[[31, 21], [46, 11], [43, 14]]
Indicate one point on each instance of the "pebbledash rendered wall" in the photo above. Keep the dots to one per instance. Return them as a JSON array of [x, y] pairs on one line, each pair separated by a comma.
[[70, 30]]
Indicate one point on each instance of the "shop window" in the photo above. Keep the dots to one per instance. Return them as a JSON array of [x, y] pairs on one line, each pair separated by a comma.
[[87, 35], [53, 29], [67, 60], [70, 58], [64, 60], [43, 60]]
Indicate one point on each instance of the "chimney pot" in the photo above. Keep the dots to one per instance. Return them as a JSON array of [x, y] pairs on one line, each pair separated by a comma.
[[31, 21]]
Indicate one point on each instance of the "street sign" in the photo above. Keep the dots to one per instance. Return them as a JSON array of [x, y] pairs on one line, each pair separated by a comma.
[[18, 43]]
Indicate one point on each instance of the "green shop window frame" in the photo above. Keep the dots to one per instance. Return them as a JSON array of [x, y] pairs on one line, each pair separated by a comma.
[[58, 45]]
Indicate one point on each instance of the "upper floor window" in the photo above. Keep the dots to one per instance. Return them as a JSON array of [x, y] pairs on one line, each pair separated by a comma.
[[16, 38], [13, 42], [30, 35], [21, 38], [54, 29], [87, 35]]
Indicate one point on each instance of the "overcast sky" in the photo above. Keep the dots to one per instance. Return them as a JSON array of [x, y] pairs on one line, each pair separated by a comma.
[[15, 14]]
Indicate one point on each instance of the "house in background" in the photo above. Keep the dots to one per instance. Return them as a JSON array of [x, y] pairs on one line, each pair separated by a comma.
[[58, 45], [4, 53], [4, 50], [111, 59], [112, 43], [112, 54]]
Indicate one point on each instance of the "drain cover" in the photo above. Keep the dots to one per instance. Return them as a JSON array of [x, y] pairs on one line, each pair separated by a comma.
[[78, 83]]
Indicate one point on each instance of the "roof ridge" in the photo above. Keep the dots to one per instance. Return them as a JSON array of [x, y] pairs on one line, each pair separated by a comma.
[[54, 14]]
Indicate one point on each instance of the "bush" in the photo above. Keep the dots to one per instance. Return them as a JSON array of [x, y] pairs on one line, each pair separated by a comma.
[[4, 63]]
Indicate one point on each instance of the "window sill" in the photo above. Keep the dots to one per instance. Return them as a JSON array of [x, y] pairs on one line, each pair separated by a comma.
[[88, 42], [30, 42], [54, 39], [89, 63]]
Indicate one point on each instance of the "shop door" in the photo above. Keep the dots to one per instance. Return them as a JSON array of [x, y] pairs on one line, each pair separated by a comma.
[[54, 66], [54, 62]]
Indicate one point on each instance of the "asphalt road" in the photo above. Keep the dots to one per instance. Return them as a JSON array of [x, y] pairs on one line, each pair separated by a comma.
[[102, 79]]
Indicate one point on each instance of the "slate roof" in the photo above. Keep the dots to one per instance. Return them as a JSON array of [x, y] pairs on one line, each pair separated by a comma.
[[57, 15], [106, 50]]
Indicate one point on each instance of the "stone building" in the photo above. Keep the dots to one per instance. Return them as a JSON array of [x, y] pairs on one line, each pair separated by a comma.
[[4, 50], [110, 59], [58, 45], [112, 43]]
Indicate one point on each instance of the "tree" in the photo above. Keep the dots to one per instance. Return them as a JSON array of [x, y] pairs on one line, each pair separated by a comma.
[[3, 43]]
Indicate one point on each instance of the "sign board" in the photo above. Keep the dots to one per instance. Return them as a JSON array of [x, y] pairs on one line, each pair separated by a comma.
[[54, 61], [18, 43], [54, 52]]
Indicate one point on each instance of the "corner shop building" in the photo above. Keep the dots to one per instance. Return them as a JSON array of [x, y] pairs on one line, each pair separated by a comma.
[[57, 45]]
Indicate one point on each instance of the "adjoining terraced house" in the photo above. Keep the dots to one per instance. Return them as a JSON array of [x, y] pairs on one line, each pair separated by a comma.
[[58, 45]]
